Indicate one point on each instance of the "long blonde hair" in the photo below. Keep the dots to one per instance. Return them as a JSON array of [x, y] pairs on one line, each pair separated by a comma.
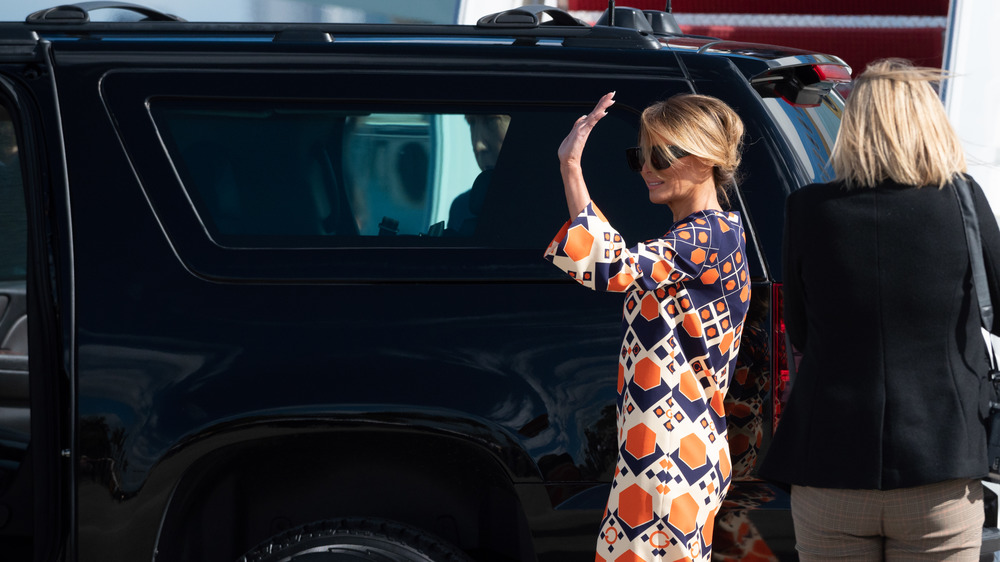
[[703, 126], [895, 127]]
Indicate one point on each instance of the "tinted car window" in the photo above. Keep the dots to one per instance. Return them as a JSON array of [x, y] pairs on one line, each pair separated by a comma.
[[281, 174], [810, 131], [13, 218]]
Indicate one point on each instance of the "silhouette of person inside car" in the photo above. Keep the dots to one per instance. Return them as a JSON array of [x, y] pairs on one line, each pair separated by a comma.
[[488, 132]]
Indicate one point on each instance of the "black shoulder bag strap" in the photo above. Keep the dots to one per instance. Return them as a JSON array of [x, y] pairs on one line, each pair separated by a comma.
[[963, 190], [964, 193], [972, 236]]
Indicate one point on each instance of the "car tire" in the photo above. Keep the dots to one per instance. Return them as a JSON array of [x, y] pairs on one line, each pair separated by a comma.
[[355, 539]]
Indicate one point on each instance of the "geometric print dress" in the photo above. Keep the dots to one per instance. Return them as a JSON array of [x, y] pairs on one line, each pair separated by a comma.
[[686, 297]]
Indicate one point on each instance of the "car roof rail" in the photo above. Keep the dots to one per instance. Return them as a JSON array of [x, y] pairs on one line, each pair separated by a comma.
[[529, 16], [80, 12]]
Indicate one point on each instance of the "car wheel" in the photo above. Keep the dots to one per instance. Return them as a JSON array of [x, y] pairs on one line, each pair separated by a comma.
[[355, 539]]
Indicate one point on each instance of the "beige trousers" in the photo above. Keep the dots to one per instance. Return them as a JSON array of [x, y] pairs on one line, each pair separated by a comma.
[[942, 521]]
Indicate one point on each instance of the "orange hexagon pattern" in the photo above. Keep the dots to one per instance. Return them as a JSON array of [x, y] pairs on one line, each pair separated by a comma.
[[684, 514], [640, 441], [635, 506], [692, 451], [698, 255], [689, 386], [661, 269], [688, 294], [647, 373], [620, 282], [578, 243], [650, 308]]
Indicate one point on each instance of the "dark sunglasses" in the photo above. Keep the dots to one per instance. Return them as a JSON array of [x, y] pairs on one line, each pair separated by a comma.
[[659, 157]]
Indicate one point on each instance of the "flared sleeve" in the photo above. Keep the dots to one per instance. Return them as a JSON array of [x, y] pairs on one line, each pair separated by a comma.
[[591, 251]]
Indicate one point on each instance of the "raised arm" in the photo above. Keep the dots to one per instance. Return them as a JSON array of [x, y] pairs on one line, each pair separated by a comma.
[[571, 155]]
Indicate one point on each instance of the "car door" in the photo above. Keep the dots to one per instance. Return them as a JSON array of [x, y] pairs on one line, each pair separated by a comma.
[[15, 417], [13, 273], [35, 375]]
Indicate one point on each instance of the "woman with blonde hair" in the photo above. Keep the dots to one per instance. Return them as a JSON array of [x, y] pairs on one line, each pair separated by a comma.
[[687, 294], [882, 441]]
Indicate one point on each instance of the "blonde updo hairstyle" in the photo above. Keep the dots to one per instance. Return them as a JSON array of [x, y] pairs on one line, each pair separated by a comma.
[[702, 125], [895, 128]]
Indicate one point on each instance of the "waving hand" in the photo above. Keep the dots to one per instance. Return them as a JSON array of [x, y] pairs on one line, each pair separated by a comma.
[[571, 155]]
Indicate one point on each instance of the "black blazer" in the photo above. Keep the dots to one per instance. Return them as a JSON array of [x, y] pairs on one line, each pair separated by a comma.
[[878, 297]]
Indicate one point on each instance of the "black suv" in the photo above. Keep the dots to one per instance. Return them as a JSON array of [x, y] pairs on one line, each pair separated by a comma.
[[243, 314]]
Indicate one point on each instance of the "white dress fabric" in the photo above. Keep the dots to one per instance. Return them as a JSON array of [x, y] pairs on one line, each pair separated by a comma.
[[686, 297]]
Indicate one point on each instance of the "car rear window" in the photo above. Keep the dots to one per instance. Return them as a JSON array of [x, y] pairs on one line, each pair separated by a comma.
[[810, 131]]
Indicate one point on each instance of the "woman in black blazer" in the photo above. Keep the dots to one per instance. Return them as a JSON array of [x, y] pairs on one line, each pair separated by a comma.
[[882, 440]]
